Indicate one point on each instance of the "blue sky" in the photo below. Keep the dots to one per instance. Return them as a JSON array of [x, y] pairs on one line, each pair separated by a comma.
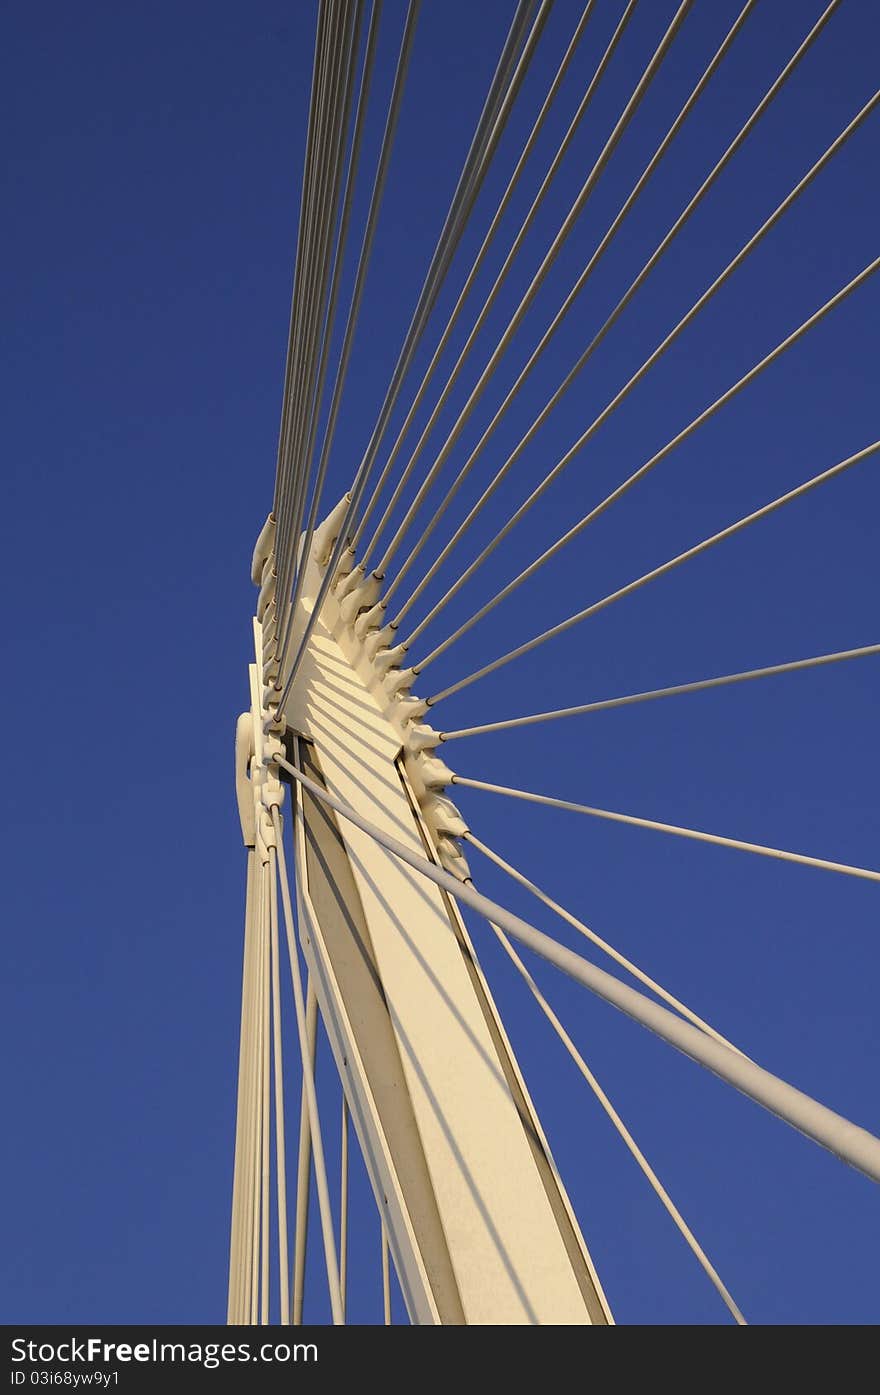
[[150, 205]]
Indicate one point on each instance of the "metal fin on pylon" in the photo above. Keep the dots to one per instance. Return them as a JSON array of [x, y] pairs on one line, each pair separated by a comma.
[[267, 587], [425, 1018], [263, 549], [326, 533], [244, 750], [370, 620], [362, 596], [377, 640], [362, 612]]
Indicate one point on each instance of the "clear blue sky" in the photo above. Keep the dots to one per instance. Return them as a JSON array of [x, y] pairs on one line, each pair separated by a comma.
[[150, 202]]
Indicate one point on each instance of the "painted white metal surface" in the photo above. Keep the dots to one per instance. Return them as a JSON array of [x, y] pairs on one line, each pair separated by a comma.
[[412, 1275], [508, 1249]]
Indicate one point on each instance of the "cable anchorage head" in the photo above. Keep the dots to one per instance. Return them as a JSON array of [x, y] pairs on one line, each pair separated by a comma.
[[356, 619]]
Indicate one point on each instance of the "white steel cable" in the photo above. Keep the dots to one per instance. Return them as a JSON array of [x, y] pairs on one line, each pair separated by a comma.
[[253, 1200], [646, 1168], [354, 304], [378, 178], [386, 1278], [568, 223], [546, 716], [335, 285], [260, 1231], [627, 484], [608, 704], [493, 118], [321, 189], [251, 1232], [470, 181], [238, 1257], [605, 328], [675, 1003], [304, 210], [252, 1103], [343, 1205], [328, 218], [280, 1151], [605, 242], [323, 203], [500, 278], [238, 1163], [304, 1167], [865, 873], [370, 225], [322, 1187], [265, 1116], [649, 1173], [664, 568], [318, 311], [481, 255], [848, 1141], [287, 476]]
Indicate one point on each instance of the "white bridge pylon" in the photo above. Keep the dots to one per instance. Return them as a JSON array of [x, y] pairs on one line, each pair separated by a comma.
[[479, 1224], [472, 1210], [471, 1204]]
